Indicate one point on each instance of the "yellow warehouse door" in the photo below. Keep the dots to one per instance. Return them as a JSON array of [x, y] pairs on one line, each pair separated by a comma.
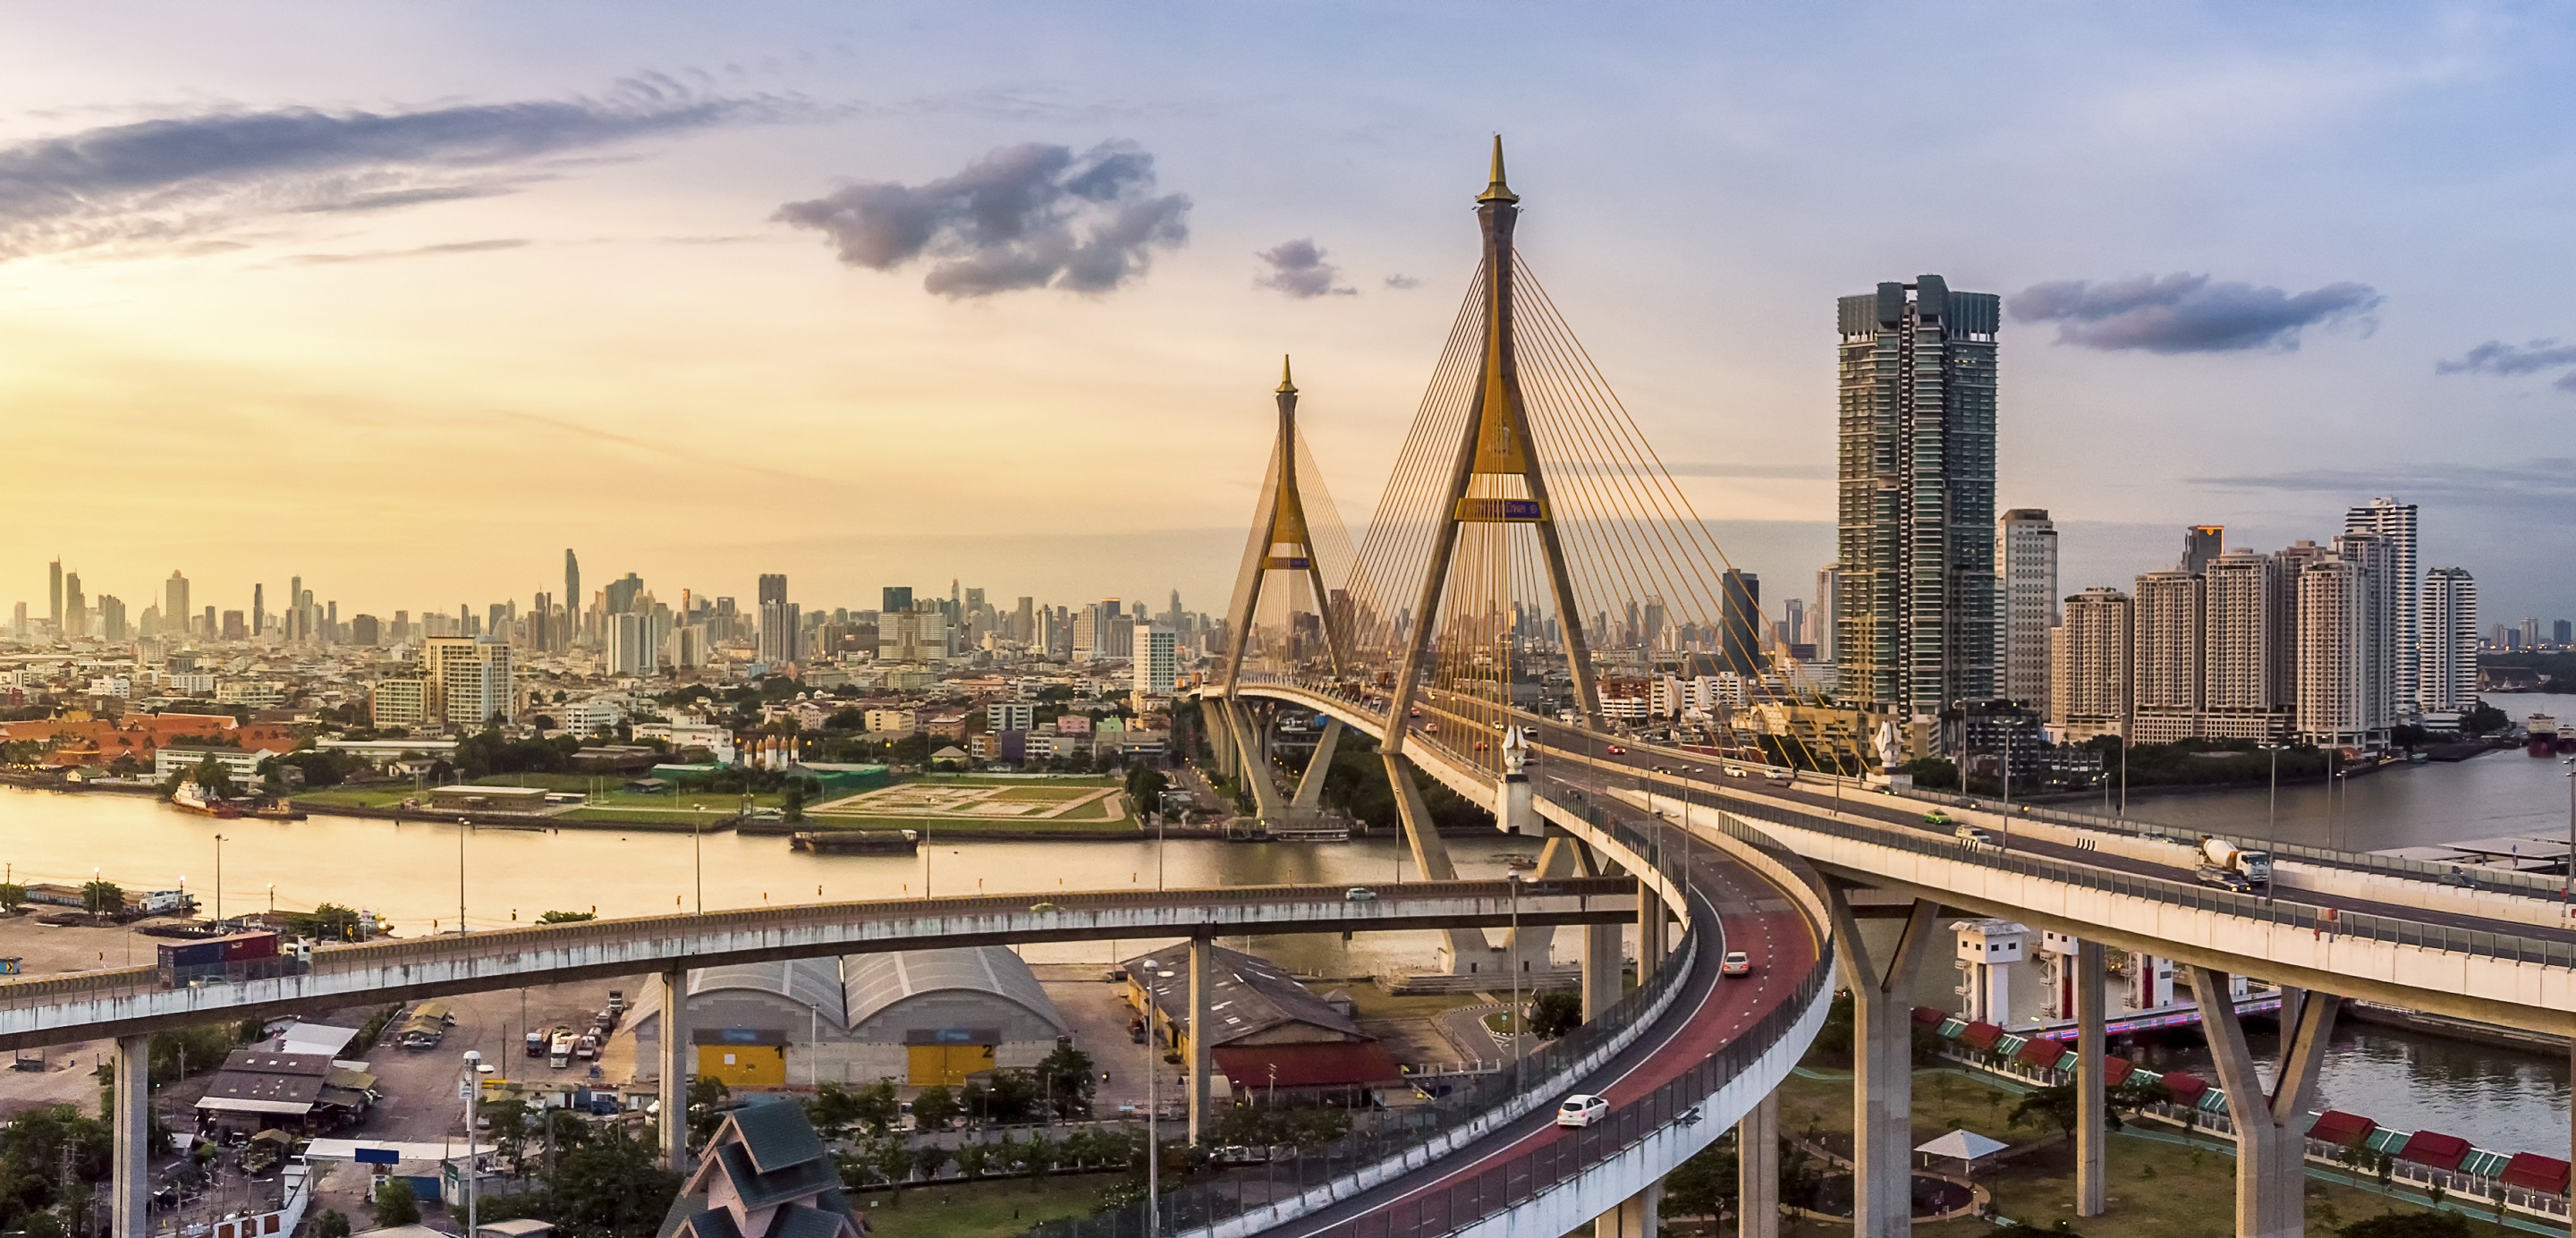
[[947, 1065], [744, 1066]]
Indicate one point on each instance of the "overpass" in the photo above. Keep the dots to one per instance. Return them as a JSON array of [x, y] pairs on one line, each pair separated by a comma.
[[1530, 572]]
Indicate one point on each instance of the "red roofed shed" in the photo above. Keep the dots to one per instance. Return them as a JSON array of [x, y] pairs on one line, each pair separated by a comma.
[[2041, 1053], [1981, 1036], [2115, 1070], [2435, 1149], [2185, 1089], [2534, 1172], [1321, 1066], [2341, 1129]]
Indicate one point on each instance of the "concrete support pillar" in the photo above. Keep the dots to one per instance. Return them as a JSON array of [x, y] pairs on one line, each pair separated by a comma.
[[1202, 986], [1757, 1171], [2092, 1131], [1638, 1216], [1431, 860], [1310, 788], [129, 1174], [1220, 730], [1883, 1070], [2271, 1126], [1530, 947], [1650, 930], [675, 1063]]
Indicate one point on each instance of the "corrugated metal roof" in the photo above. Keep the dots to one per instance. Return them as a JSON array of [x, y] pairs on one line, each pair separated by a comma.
[[812, 982], [873, 982]]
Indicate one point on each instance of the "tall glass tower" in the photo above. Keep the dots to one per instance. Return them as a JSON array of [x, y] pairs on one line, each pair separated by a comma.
[[1915, 633]]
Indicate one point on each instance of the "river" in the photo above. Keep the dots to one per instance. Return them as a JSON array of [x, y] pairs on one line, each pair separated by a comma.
[[409, 873]]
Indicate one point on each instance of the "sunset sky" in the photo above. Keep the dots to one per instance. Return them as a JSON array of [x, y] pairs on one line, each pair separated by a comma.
[[408, 299]]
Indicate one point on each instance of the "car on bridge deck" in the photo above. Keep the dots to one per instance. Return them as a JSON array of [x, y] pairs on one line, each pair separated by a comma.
[[1936, 817], [1736, 963], [1972, 834], [1359, 894], [2225, 879], [1735, 771], [1582, 1109], [1617, 751]]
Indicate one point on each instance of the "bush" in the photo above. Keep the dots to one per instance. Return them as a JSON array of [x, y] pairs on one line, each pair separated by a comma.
[[396, 1204]]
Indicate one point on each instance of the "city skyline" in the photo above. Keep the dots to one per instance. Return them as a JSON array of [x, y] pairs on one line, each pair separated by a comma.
[[670, 260]]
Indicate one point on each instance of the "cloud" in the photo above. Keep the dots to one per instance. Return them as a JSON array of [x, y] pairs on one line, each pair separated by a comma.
[[2186, 313], [1400, 282], [1298, 268], [2544, 487], [424, 251], [2498, 357], [1025, 216], [170, 180]]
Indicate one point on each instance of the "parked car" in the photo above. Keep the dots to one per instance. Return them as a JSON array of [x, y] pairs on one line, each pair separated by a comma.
[[1582, 1109], [1736, 963]]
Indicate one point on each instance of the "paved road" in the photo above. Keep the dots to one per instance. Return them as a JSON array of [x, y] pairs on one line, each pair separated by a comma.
[[1642, 767], [1753, 916]]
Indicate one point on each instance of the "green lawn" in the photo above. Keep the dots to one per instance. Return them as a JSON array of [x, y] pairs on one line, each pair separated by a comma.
[[2159, 1187], [1103, 817], [998, 1209]]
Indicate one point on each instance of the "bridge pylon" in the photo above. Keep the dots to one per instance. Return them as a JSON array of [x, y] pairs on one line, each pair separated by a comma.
[[1495, 478]]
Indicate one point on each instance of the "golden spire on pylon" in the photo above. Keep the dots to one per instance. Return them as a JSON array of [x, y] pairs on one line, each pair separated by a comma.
[[1498, 191], [1286, 386]]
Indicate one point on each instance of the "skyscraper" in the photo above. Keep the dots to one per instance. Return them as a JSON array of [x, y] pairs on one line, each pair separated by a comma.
[[1916, 500], [54, 591], [779, 621], [2447, 641], [623, 592], [470, 681], [2200, 544], [2026, 580], [2248, 690], [1739, 633], [572, 634], [1829, 609], [174, 603], [2394, 522], [258, 610], [2375, 554], [1157, 661], [895, 599]]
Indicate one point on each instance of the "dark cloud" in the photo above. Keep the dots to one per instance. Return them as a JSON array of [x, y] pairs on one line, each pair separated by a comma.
[[1026, 216], [1298, 268], [1400, 282], [173, 179], [2544, 487], [2498, 357], [2186, 313]]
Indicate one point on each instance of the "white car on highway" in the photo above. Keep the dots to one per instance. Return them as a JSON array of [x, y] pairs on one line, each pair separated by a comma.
[[1582, 1110]]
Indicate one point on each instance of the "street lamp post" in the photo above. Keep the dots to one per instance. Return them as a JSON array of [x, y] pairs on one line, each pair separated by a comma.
[[473, 1094], [464, 826], [219, 878]]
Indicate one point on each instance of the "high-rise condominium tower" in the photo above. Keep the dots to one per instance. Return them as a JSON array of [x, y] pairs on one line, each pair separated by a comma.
[[2394, 522], [2447, 640], [2090, 652], [1916, 502], [1829, 609], [2170, 609], [2247, 689], [2335, 694], [2026, 579], [54, 591], [174, 602], [2200, 544], [779, 621], [572, 634]]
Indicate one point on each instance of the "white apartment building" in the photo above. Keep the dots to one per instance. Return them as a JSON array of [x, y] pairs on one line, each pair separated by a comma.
[[634, 647], [2026, 602], [2089, 675], [1157, 660], [402, 701], [2376, 555], [2334, 692], [2166, 622], [1001, 716], [2394, 523], [471, 679], [2447, 641], [2245, 692]]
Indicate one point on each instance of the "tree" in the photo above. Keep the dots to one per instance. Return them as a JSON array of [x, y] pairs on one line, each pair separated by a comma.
[[12, 897], [2132, 1096], [1066, 1079], [2055, 1105], [791, 801], [706, 1096], [333, 1223], [102, 898], [1554, 1013], [876, 1106], [396, 1204], [1706, 1185], [2409, 1225], [328, 922], [833, 1110], [935, 1107], [212, 776], [611, 1186]]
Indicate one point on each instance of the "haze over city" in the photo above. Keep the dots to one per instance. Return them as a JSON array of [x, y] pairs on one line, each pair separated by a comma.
[[328, 256]]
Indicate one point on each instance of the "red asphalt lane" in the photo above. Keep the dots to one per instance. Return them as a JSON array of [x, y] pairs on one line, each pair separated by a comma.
[[1782, 946]]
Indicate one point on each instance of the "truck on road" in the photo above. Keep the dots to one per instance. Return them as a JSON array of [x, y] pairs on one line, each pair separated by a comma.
[[2218, 855]]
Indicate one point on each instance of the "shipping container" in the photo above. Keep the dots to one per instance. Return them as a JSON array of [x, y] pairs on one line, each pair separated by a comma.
[[243, 946], [192, 954]]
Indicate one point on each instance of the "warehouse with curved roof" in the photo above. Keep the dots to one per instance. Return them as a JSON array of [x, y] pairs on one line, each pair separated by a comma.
[[918, 1017]]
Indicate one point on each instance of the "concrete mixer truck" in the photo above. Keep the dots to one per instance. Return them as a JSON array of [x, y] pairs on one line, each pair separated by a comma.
[[2223, 863]]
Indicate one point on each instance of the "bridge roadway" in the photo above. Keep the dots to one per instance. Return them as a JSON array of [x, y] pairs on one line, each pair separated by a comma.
[[126, 1001], [1712, 1011], [2333, 926]]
